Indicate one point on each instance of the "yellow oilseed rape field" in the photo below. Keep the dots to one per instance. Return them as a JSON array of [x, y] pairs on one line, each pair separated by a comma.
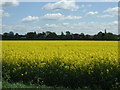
[[62, 63]]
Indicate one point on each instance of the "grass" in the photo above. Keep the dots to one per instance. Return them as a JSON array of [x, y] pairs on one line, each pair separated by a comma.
[[6, 84], [20, 85]]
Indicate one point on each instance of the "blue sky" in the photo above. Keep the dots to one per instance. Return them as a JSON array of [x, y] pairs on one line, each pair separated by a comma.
[[77, 17]]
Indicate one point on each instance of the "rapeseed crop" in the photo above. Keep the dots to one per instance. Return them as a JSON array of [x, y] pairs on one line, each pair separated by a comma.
[[62, 63]]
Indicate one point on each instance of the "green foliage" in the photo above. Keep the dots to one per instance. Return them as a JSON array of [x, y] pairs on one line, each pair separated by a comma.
[[103, 75]]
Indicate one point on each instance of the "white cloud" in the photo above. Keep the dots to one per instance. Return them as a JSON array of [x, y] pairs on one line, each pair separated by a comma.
[[72, 17], [82, 27], [111, 10], [26, 28], [92, 13], [6, 28], [5, 4], [61, 5], [114, 23], [37, 28], [51, 25], [8, 3], [65, 23], [30, 19], [22, 29], [4, 14], [59, 16], [52, 16], [105, 16]]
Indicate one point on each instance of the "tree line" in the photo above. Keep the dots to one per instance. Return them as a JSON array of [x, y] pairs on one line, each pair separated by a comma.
[[48, 35]]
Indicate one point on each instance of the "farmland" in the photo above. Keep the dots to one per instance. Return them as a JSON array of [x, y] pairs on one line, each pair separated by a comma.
[[62, 63]]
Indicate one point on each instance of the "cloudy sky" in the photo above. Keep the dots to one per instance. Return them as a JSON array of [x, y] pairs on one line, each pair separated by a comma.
[[64, 15]]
